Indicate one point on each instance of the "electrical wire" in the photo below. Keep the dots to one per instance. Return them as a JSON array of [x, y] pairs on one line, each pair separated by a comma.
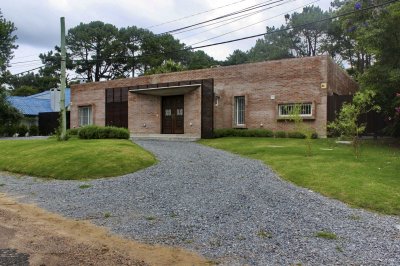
[[223, 16], [253, 23], [194, 15]]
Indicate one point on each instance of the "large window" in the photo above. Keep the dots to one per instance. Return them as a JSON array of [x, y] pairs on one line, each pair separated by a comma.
[[239, 110], [85, 115], [305, 109]]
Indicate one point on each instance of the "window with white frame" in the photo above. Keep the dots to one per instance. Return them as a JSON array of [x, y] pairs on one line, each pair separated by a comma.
[[239, 110], [85, 115], [288, 109]]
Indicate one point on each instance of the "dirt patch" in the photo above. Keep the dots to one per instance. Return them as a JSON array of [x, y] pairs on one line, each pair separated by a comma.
[[50, 239]]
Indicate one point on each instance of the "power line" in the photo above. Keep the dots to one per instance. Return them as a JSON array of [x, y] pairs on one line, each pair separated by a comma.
[[257, 35], [253, 23], [231, 20], [27, 71], [193, 15], [224, 16]]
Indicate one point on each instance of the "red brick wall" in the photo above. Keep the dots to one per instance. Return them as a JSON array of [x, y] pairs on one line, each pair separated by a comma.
[[290, 81]]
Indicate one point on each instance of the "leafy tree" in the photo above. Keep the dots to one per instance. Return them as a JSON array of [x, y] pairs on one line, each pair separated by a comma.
[[302, 127], [24, 91], [37, 82], [7, 44], [277, 44], [383, 77], [166, 67], [347, 124], [308, 36], [96, 49], [199, 59], [9, 116], [236, 58]]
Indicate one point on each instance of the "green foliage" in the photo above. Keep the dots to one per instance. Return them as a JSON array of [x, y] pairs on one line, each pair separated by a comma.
[[347, 124], [236, 58], [9, 115], [280, 134], [326, 235], [304, 131], [371, 182], [24, 91], [277, 44], [307, 37], [75, 159], [199, 59], [22, 130], [166, 67], [296, 135], [97, 132], [7, 43], [33, 130], [231, 132], [73, 131]]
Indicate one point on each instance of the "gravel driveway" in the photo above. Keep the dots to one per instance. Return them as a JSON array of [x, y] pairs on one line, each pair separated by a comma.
[[231, 209]]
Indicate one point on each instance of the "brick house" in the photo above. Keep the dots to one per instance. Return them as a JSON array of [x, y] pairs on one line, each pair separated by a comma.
[[193, 103]]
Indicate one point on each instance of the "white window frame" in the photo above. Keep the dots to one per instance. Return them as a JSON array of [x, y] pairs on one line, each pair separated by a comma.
[[85, 119], [306, 109], [240, 110]]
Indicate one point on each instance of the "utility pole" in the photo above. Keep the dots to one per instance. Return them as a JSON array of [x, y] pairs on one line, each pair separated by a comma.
[[62, 82]]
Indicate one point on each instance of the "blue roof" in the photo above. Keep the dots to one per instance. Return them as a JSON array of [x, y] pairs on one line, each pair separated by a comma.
[[37, 103]]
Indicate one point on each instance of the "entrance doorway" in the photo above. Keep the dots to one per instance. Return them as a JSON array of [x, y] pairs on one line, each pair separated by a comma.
[[172, 114]]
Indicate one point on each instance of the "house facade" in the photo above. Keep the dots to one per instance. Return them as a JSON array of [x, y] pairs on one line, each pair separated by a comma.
[[194, 103]]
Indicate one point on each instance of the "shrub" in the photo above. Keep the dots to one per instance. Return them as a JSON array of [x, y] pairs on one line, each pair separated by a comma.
[[314, 135], [231, 132], [33, 130], [280, 134], [296, 135], [97, 132], [22, 130], [8, 130], [73, 131]]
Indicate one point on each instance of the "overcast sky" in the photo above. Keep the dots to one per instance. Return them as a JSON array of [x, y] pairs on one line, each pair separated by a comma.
[[38, 21]]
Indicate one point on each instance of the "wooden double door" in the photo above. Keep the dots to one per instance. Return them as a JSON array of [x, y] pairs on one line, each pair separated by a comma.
[[172, 114]]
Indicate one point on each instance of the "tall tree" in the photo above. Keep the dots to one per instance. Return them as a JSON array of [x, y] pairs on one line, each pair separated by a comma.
[[199, 59], [97, 50], [308, 35], [383, 77], [236, 58], [277, 44], [7, 44]]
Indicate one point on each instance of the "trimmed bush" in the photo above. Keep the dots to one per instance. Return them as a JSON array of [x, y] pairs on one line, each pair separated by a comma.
[[314, 135], [296, 135], [231, 132], [33, 130], [22, 130], [73, 131], [97, 132], [280, 134]]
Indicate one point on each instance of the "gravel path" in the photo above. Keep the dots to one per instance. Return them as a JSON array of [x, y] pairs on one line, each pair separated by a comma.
[[231, 209]]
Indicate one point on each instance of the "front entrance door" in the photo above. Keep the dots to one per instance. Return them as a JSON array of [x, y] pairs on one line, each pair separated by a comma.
[[172, 118]]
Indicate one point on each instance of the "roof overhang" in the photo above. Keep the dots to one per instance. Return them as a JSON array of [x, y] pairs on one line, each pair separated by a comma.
[[168, 91]]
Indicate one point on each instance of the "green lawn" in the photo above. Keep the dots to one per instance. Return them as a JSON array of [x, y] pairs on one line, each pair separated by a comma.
[[371, 182], [73, 159]]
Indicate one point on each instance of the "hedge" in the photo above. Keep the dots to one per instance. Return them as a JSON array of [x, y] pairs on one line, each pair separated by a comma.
[[232, 132], [97, 132]]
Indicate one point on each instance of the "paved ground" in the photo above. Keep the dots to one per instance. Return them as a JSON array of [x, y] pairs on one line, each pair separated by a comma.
[[230, 209]]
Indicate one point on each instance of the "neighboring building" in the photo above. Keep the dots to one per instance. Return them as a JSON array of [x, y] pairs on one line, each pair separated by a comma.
[[193, 103], [44, 102]]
